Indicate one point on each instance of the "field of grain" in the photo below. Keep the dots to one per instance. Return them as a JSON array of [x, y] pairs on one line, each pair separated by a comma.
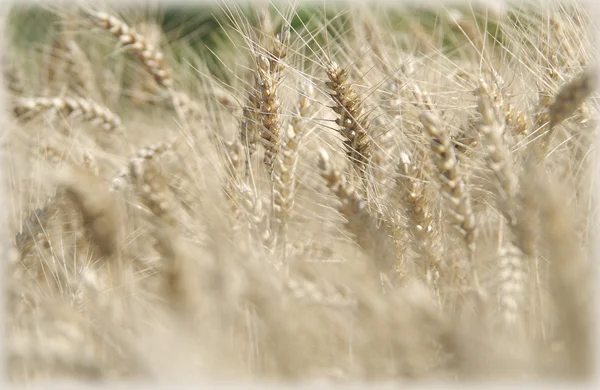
[[351, 192]]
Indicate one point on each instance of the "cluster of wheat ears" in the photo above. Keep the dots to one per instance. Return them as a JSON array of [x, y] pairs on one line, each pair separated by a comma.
[[368, 194]]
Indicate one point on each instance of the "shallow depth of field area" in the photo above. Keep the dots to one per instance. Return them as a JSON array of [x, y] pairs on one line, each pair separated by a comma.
[[298, 192]]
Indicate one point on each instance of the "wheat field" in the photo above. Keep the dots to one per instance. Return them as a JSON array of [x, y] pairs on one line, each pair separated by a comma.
[[356, 192]]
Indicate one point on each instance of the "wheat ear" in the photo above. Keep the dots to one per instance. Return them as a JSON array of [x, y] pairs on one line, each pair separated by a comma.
[[150, 57], [269, 112], [34, 225], [148, 152], [152, 188], [492, 128], [451, 179], [284, 178], [270, 106], [97, 207], [259, 218], [371, 234], [511, 282], [454, 190], [571, 96], [410, 183], [353, 126], [69, 107], [511, 276]]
